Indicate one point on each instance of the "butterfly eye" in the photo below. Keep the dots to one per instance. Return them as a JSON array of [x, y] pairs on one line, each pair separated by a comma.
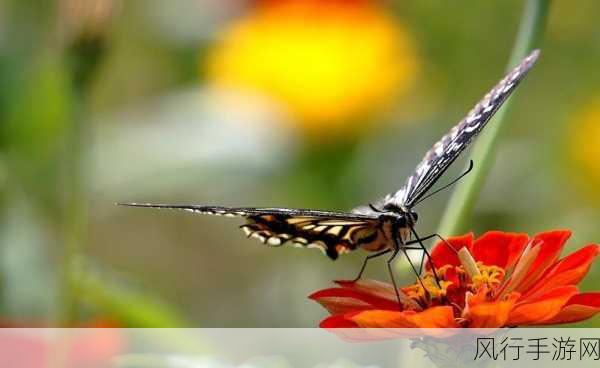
[[414, 216]]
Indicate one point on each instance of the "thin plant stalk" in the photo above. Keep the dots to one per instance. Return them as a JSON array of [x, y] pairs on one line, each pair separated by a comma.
[[83, 57], [75, 226]]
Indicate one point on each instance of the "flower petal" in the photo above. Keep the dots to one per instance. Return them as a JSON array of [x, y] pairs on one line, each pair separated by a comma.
[[568, 271], [543, 308], [579, 307], [339, 301], [551, 244], [488, 314], [435, 317], [337, 321], [382, 293], [345, 299], [370, 287], [441, 254], [584, 256], [499, 248]]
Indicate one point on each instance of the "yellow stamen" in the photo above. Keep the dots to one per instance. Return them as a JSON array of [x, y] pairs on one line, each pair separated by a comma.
[[429, 289], [470, 275], [488, 275]]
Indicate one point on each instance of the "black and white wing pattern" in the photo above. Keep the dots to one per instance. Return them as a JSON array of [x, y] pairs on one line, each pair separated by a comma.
[[447, 149], [332, 232]]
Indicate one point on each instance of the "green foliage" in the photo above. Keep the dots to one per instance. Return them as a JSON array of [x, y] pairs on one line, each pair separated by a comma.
[[125, 304]]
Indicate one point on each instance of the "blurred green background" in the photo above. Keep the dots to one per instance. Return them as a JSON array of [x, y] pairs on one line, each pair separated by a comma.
[[322, 104]]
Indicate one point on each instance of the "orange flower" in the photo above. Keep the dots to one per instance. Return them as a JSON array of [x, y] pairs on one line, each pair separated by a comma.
[[500, 279]]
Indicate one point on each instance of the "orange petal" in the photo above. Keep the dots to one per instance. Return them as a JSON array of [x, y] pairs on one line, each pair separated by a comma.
[[369, 286], [435, 317], [336, 302], [568, 271], [519, 270], [373, 288], [338, 321], [441, 254], [578, 308], [488, 314], [551, 244], [382, 293], [543, 308], [343, 300], [499, 248]]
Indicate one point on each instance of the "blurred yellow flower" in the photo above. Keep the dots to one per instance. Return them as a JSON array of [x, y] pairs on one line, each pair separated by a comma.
[[329, 62], [585, 144]]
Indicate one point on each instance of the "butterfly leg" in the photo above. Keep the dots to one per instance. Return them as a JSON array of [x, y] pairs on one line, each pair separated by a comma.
[[425, 253], [413, 266], [435, 235], [367, 258], [402, 246], [391, 272], [431, 237], [410, 242]]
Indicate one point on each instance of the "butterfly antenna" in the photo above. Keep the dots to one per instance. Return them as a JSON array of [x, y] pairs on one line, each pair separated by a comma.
[[375, 208], [447, 185]]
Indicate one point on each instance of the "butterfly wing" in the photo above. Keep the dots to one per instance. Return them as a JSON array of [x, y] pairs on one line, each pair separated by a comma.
[[332, 232], [446, 150]]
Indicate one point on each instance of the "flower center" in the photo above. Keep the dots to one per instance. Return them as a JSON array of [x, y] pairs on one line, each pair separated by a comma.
[[490, 276], [453, 281], [428, 289]]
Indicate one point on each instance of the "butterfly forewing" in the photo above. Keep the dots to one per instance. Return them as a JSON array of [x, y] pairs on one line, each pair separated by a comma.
[[333, 233], [447, 149]]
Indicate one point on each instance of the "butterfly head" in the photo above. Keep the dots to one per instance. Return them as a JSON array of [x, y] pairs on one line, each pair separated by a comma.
[[408, 216], [411, 217]]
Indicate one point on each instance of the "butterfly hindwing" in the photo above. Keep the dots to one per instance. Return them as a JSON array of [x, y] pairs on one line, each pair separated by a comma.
[[447, 149], [332, 232], [332, 236]]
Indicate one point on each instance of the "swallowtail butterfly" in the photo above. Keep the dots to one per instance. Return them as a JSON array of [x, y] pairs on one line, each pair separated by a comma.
[[388, 224]]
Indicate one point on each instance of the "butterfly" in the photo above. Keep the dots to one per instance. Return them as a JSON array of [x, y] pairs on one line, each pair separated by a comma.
[[384, 226]]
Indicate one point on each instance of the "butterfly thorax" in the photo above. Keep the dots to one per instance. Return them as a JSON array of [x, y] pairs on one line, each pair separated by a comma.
[[393, 230]]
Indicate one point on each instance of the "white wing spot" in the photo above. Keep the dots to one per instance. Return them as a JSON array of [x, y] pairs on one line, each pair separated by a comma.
[[471, 128], [274, 241]]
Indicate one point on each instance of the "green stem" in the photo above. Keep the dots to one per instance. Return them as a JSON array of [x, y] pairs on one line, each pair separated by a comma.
[[460, 207], [75, 226], [82, 56]]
